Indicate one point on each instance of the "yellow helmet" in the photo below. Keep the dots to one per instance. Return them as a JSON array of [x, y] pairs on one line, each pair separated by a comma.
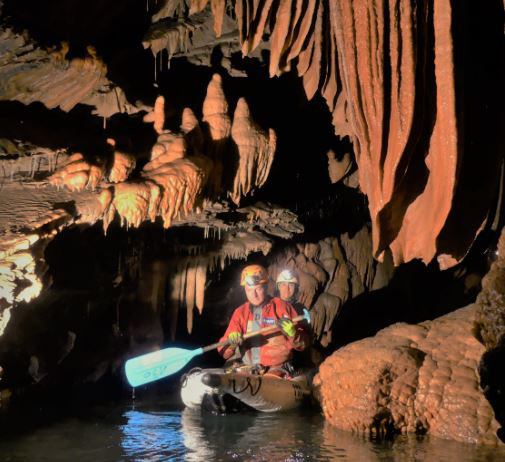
[[253, 275]]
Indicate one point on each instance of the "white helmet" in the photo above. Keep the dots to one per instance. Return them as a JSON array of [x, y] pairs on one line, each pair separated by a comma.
[[287, 276]]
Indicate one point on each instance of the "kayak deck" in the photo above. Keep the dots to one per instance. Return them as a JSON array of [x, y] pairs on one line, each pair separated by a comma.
[[265, 393]]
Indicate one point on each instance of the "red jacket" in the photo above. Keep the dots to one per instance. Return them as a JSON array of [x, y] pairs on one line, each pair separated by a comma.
[[274, 349]]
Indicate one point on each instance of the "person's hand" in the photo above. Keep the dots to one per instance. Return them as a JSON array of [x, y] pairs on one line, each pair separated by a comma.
[[235, 339], [287, 327]]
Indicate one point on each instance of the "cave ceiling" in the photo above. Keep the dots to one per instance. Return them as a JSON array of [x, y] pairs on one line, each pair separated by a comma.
[[412, 109]]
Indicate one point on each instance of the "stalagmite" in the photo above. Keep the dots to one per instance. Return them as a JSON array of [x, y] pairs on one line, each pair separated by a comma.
[[168, 147], [157, 116], [215, 110], [193, 133], [5, 317], [189, 121], [256, 150]]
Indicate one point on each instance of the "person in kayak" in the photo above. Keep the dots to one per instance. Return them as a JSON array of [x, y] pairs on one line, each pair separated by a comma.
[[287, 285], [270, 352]]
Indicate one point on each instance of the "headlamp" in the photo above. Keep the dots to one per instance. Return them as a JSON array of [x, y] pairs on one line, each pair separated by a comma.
[[252, 280], [287, 274]]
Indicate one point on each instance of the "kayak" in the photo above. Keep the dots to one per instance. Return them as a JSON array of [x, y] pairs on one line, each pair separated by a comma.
[[265, 393]]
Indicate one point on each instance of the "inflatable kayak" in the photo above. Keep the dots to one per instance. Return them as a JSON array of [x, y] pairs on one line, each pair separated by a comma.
[[265, 393]]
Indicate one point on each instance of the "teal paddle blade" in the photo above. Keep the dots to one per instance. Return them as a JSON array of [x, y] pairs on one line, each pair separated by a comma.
[[158, 364]]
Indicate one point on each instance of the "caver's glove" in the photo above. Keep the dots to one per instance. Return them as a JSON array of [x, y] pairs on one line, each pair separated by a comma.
[[235, 339], [287, 327]]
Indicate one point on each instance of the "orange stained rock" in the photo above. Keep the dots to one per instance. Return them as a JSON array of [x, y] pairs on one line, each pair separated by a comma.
[[181, 181], [122, 164], [192, 131], [217, 8], [131, 201], [77, 174], [411, 377], [157, 116], [168, 147], [256, 150], [215, 110], [396, 103], [197, 5], [338, 168], [189, 121], [56, 81]]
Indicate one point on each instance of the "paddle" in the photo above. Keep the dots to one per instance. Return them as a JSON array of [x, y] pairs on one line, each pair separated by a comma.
[[158, 364]]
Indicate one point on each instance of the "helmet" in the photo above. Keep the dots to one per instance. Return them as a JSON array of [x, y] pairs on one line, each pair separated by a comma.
[[253, 275], [287, 276]]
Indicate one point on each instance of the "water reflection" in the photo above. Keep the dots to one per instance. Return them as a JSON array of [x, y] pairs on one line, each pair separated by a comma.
[[253, 437], [151, 433], [152, 436], [289, 437], [408, 448]]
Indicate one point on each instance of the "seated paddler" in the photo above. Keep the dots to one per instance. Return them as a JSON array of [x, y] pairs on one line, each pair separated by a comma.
[[261, 353]]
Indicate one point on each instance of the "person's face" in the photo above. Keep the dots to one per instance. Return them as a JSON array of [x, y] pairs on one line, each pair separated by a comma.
[[287, 290], [256, 294]]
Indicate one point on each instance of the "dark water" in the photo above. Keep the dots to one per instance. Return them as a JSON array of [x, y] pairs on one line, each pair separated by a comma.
[[152, 432]]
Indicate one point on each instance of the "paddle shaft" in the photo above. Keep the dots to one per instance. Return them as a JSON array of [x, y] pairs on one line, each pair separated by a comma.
[[265, 330]]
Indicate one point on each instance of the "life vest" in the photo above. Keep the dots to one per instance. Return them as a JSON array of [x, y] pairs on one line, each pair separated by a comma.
[[268, 350]]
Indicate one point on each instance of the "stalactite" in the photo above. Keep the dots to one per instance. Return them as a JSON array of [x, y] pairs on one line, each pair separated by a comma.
[[173, 313], [190, 294], [283, 20], [201, 278]]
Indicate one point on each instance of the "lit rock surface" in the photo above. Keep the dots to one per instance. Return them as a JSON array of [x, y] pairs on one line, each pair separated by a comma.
[[29, 74], [411, 378], [389, 75], [368, 62]]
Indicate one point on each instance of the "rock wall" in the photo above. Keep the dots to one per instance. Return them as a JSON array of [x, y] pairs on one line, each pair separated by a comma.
[[331, 272], [394, 76], [387, 71], [411, 378], [490, 330]]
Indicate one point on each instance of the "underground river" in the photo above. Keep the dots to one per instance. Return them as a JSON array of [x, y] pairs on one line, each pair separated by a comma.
[[154, 427]]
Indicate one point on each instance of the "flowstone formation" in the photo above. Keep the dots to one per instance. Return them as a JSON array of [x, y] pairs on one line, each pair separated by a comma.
[[420, 126], [391, 76], [179, 184], [181, 165], [411, 378], [331, 272], [29, 74], [388, 76]]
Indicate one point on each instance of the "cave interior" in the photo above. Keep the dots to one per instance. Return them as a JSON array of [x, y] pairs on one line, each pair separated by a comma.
[[379, 180]]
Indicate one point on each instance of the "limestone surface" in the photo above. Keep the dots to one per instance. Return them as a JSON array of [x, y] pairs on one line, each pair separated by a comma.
[[411, 378]]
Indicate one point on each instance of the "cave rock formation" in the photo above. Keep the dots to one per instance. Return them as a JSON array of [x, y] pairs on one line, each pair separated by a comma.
[[411, 378]]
